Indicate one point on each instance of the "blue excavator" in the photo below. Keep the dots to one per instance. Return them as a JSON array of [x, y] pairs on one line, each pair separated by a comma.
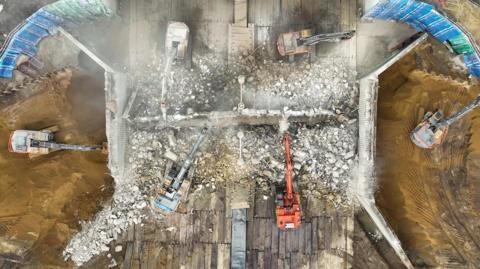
[[175, 186], [432, 131]]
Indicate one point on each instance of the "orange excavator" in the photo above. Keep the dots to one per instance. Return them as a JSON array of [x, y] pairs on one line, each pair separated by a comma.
[[288, 212]]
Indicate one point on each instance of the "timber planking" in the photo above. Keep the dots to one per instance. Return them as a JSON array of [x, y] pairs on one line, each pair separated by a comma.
[[201, 239]]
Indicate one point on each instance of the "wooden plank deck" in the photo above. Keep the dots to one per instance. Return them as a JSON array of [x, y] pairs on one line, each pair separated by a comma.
[[323, 241]]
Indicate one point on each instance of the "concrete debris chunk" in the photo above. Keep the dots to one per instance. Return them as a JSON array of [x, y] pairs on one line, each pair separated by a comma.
[[96, 235], [170, 155]]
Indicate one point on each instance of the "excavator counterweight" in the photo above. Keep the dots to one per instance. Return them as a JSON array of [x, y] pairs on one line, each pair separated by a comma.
[[288, 212]]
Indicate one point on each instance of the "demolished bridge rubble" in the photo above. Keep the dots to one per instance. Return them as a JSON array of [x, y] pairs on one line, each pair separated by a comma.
[[324, 133]]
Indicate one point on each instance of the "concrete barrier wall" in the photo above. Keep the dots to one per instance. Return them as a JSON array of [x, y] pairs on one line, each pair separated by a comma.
[[116, 90], [365, 181], [367, 114]]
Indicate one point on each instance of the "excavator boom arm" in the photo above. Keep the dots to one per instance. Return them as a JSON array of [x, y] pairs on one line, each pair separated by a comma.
[[288, 167], [188, 161], [53, 145], [168, 65], [460, 114]]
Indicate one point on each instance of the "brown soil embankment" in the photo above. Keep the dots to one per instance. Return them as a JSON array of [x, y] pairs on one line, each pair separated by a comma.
[[430, 197], [42, 200], [466, 13]]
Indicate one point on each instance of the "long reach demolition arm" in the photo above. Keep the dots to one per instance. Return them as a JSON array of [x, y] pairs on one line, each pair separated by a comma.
[[166, 72], [460, 114], [186, 164], [330, 37]]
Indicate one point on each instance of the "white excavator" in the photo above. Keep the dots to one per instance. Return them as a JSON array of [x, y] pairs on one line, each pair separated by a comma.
[[176, 49], [432, 131], [36, 143]]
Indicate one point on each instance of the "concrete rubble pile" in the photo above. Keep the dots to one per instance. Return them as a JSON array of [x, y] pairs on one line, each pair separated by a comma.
[[327, 152], [187, 89], [96, 235], [212, 85], [323, 154], [324, 159]]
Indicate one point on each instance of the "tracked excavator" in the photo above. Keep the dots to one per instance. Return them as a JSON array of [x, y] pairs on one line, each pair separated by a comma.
[[287, 211], [432, 131], [302, 42], [176, 49], [175, 186], [35, 143]]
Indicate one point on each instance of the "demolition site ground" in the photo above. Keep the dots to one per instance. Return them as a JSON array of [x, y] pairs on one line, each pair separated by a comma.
[[64, 210]]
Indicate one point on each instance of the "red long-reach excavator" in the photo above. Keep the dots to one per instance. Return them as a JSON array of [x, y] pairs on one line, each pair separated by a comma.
[[288, 212]]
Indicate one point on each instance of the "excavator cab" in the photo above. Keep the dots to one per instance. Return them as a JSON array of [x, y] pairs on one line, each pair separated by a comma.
[[170, 198], [177, 41], [290, 43], [287, 211]]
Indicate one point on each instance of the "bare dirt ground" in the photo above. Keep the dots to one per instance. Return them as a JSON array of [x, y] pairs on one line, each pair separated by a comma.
[[431, 198], [466, 13], [43, 200]]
